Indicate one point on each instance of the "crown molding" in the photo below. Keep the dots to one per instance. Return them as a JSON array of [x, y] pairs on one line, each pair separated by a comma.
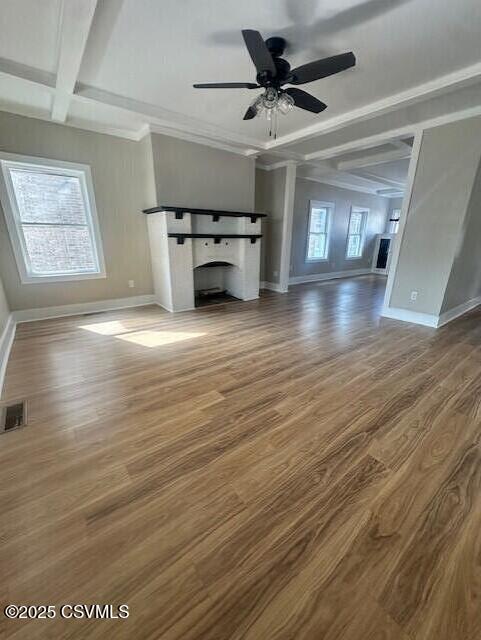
[[333, 182], [75, 21], [370, 160], [394, 134], [197, 139], [276, 165], [457, 79], [342, 184], [159, 117], [174, 124], [75, 123]]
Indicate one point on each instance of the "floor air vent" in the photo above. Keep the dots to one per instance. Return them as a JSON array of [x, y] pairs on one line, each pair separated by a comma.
[[12, 416]]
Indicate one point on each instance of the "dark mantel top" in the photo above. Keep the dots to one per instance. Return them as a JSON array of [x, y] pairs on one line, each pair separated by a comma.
[[216, 236], [179, 213]]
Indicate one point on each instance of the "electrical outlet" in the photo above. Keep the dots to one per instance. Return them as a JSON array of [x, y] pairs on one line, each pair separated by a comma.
[[131, 284], [414, 295]]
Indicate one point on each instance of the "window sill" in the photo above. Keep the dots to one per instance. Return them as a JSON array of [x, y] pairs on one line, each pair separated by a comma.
[[354, 258], [308, 260], [62, 278]]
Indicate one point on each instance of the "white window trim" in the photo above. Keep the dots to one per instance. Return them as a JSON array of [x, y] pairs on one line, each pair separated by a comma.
[[366, 211], [319, 204], [12, 215]]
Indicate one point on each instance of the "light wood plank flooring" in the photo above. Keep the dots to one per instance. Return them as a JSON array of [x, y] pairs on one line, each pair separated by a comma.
[[288, 468]]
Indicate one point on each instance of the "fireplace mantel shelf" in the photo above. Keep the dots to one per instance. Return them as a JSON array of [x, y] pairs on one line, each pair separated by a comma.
[[216, 215], [216, 236]]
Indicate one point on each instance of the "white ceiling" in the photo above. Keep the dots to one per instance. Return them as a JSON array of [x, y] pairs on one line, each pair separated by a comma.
[[125, 65]]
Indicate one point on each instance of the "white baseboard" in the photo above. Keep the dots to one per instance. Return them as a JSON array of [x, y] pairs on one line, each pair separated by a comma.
[[426, 319], [44, 313], [6, 341], [454, 313], [272, 286], [331, 275]]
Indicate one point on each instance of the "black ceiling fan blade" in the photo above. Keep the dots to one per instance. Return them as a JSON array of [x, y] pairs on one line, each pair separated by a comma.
[[250, 113], [322, 68], [258, 51], [304, 100], [226, 85]]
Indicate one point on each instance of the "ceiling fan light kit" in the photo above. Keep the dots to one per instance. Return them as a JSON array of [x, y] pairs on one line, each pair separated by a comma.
[[273, 72]]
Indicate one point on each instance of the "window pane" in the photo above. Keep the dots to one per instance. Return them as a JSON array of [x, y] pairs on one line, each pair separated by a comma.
[[354, 246], [355, 222], [318, 220], [59, 249], [44, 197], [317, 246]]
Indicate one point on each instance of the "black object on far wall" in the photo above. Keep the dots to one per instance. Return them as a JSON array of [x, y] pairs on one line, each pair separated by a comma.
[[383, 253]]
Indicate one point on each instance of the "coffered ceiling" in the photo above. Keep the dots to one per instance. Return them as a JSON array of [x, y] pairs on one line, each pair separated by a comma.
[[124, 66]]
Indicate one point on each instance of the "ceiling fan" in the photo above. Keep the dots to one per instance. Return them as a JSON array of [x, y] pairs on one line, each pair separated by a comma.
[[273, 72]]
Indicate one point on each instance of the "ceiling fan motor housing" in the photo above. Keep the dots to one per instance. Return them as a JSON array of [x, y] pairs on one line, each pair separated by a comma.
[[276, 46], [283, 68]]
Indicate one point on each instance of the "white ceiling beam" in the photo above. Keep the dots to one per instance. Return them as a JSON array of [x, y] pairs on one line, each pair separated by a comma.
[[374, 159], [334, 182], [371, 175], [75, 24], [454, 80], [392, 134], [251, 147], [402, 144], [164, 120], [27, 74]]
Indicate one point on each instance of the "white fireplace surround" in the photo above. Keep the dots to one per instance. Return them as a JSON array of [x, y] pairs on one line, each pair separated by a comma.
[[173, 263]]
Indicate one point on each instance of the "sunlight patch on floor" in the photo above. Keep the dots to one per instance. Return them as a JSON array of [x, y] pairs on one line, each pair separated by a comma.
[[110, 328], [158, 338]]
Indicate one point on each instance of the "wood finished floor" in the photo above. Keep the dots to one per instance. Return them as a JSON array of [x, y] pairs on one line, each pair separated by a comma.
[[288, 468]]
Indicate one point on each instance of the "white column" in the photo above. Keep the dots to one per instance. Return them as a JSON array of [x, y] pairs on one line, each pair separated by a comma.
[[287, 218]]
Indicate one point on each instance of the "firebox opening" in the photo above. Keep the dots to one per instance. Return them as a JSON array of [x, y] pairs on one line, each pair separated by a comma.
[[214, 283]]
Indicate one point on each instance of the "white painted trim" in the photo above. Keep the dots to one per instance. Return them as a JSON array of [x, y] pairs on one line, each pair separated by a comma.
[[81, 308], [164, 120], [390, 135], [6, 342], [276, 165], [330, 208], [287, 220], [375, 254], [12, 214], [405, 207], [176, 123], [460, 310], [374, 159], [457, 79], [272, 286], [340, 184], [75, 23], [204, 140], [365, 212], [415, 317], [330, 275], [429, 320]]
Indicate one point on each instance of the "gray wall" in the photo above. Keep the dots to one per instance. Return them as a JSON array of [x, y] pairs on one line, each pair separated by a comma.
[[445, 175], [343, 199], [4, 309], [464, 283], [128, 177], [189, 174], [119, 169], [269, 198]]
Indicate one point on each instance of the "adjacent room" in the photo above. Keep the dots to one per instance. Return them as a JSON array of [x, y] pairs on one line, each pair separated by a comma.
[[240, 321]]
